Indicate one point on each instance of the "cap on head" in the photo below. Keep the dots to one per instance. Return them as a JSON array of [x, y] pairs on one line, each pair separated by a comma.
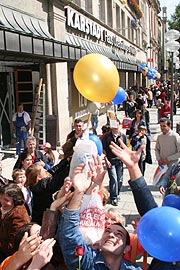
[[46, 145]]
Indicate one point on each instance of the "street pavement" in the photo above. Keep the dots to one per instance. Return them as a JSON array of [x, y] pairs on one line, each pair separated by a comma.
[[126, 205]]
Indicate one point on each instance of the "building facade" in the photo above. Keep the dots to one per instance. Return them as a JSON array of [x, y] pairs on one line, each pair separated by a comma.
[[44, 39]]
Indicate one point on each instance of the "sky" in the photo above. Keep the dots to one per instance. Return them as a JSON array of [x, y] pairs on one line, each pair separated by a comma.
[[170, 4]]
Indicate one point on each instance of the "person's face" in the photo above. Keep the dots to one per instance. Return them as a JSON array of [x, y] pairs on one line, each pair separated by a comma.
[[131, 98], [114, 240], [78, 127], [20, 179], [6, 202], [164, 127], [27, 162], [35, 229], [142, 132], [20, 109], [31, 146], [138, 114]]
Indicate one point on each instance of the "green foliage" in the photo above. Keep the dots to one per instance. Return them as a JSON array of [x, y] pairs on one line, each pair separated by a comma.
[[174, 22]]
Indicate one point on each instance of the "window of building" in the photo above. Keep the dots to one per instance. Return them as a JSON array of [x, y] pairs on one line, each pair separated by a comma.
[[117, 18], [102, 10], [77, 2], [109, 13], [138, 37], [123, 25], [129, 28], [88, 5]]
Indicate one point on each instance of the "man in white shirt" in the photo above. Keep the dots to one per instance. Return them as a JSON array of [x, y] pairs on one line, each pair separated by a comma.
[[93, 108], [22, 126]]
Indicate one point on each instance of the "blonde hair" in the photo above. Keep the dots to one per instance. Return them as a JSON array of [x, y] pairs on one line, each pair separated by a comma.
[[142, 128], [115, 216], [32, 174], [104, 195], [16, 173]]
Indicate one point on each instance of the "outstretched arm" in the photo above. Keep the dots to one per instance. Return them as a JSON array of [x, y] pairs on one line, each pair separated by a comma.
[[142, 195]]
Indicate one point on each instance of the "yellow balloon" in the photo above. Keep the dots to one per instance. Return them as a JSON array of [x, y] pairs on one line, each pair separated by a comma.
[[96, 78]]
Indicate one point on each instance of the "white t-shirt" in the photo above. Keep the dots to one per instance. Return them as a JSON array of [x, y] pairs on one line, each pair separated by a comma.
[[26, 117]]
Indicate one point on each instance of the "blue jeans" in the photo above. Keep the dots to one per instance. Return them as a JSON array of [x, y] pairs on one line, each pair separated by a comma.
[[20, 136], [115, 178], [94, 121]]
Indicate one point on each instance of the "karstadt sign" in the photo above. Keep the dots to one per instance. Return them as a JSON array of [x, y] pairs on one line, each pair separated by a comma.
[[78, 21]]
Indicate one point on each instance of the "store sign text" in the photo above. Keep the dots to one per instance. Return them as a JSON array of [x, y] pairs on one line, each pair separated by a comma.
[[78, 21]]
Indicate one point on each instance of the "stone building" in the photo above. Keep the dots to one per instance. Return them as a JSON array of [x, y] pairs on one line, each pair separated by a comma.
[[44, 39]]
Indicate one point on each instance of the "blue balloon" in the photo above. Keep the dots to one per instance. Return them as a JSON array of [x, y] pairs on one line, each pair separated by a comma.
[[98, 143], [159, 233], [120, 96], [172, 200], [142, 67]]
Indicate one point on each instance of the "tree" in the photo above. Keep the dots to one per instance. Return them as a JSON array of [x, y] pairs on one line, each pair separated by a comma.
[[174, 22]]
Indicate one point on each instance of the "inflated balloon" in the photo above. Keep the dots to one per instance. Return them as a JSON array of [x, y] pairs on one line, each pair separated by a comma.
[[144, 69], [96, 78], [172, 200], [158, 233], [120, 96], [98, 143], [157, 76]]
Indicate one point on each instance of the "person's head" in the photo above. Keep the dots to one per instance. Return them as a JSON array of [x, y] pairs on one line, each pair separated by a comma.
[[165, 125], [46, 147], [26, 160], [11, 196], [31, 228], [34, 174], [142, 130], [115, 240], [31, 144], [131, 97], [20, 108], [114, 216], [138, 114], [78, 126], [19, 177], [105, 129], [115, 130]]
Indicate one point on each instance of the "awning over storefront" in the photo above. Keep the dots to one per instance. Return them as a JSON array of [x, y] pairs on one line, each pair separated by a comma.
[[121, 61], [26, 38]]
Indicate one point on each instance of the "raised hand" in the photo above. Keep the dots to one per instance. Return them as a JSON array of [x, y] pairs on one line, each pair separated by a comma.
[[128, 157], [43, 254]]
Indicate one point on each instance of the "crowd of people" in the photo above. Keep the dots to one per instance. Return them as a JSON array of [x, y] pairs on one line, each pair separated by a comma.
[[51, 219]]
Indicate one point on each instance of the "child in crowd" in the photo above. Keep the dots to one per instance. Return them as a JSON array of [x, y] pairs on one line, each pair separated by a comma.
[[19, 178], [136, 142], [48, 153]]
